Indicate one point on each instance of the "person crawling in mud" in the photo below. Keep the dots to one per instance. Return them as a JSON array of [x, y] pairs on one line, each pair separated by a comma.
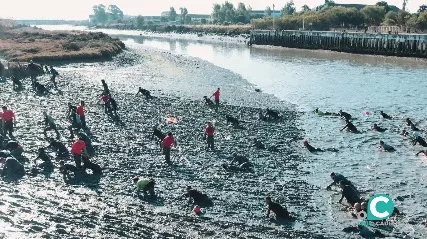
[[258, 144], [197, 197], [12, 167], [385, 147], [145, 185], [40, 89], [158, 134], [244, 167], [280, 211], [230, 119], [208, 102], [345, 115], [47, 161], [239, 159], [59, 147], [272, 114], [14, 148], [350, 127], [313, 149], [337, 178], [87, 164], [418, 139], [412, 125], [385, 116], [378, 128], [144, 92], [65, 169], [16, 84], [350, 194]]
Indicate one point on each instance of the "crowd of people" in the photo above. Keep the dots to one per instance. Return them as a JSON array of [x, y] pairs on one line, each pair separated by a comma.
[[82, 149]]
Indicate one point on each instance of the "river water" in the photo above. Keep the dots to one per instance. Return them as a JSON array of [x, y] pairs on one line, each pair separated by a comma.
[[359, 85]]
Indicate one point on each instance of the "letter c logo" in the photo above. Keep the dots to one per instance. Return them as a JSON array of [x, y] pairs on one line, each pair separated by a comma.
[[373, 207], [380, 207]]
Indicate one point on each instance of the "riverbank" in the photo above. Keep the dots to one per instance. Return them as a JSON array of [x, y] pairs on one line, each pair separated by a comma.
[[43, 205], [24, 44]]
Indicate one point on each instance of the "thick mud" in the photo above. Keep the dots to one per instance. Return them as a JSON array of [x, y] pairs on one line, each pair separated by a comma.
[[44, 206]]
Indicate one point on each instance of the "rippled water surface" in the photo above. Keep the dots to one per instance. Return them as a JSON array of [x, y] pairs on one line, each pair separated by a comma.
[[329, 81]]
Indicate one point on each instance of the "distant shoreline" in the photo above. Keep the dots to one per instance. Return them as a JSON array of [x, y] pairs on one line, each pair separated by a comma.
[[42, 46]]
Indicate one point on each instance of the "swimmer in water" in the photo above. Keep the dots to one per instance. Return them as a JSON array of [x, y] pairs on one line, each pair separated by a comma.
[[386, 147], [422, 151], [320, 113], [404, 133], [378, 129], [313, 149], [418, 139], [345, 115], [385, 116], [350, 127], [280, 211], [412, 125]]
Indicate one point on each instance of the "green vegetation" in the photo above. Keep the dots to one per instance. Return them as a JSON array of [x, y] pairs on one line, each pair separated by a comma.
[[331, 15], [101, 15]]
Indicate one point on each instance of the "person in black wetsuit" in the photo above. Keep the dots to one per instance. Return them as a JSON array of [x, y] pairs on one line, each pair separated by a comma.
[[12, 167], [70, 110], [59, 147], [281, 212], [240, 159], [47, 161], [53, 77], [75, 122], [422, 151], [350, 194], [385, 116], [197, 197], [65, 169], [350, 127], [113, 105], [245, 167], [41, 89], [420, 141], [337, 178], [144, 92], [378, 129], [386, 147], [272, 114], [105, 86], [14, 147], [258, 144], [158, 134], [32, 68], [16, 84], [345, 115], [412, 125], [49, 124], [313, 149]]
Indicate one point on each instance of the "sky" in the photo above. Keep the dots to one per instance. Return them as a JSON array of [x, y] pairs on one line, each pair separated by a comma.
[[81, 9]]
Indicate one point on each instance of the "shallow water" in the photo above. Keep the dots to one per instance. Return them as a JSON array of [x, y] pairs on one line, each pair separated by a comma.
[[307, 79]]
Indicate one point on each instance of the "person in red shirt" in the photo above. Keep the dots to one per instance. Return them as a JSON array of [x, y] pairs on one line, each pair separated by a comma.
[[216, 95], [9, 120], [167, 144], [78, 148], [105, 98], [81, 113], [210, 133]]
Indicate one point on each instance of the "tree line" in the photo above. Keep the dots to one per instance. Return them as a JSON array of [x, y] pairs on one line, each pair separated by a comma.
[[330, 15]]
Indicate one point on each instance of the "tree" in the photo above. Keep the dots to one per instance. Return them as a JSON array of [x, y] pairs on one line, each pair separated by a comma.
[[268, 11], [242, 14], [374, 15], [289, 8], [184, 13], [188, 19], [229, 12], [385, 5], [422, 8], [390, 19], [305, 8], [99, 14], [114, 13], [422, 21], [402, 17], [139, 21], [172, 14], [217, 14]]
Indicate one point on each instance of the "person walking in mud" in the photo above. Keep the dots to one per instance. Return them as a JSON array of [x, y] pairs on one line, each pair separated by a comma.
[[81, 112], [32, 68], [9, 121], [209, 135], [78, 149], [53, 77], [49, 125], [75, 122], [16, 84], [105, 86], [112, 105], [216, 96], [167, 144]]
